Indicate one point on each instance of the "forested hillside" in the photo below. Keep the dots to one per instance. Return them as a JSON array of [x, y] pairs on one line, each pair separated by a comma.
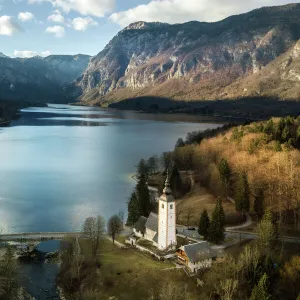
[[258, 165]]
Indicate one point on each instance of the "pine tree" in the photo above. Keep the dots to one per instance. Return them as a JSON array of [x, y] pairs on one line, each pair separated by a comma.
[[260, 291], [285, 134], [224, 170], [133, 210], [259, 202], [143, 196], [175, 182], [179, 143], [142, 169], [217, 225], [242, 194], [204, 224]]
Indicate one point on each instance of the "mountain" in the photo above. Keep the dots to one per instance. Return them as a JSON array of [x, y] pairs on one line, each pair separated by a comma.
[[39, 79], [247, 55]]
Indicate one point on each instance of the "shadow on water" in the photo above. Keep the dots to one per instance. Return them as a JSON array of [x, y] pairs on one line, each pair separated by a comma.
[[246, 108]]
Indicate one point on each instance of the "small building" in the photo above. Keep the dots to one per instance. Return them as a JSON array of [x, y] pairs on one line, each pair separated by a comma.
[[147, 228], [195, 256]]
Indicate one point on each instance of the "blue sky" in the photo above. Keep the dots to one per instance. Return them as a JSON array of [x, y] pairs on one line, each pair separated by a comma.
[[43, 27]]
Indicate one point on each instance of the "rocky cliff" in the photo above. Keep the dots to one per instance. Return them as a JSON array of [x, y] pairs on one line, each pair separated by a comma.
[[197, 61], [39, 79]]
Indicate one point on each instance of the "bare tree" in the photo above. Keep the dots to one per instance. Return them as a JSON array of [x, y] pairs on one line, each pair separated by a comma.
[[94, 229], [114, 227]]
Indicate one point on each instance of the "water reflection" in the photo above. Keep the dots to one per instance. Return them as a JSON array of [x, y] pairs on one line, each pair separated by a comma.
[[61, 165]]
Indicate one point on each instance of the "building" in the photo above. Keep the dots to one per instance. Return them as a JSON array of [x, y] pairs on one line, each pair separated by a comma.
[[160, 229], [199, 255], [195, 256]]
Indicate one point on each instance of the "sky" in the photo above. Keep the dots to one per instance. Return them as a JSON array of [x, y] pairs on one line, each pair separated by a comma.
[[44, 27]]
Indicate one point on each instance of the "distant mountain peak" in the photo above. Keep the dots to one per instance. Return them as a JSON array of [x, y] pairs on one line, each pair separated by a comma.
[[145, 25], [3, 55]]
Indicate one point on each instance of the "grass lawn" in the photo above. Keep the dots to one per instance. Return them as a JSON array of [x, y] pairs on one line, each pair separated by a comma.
[[130, 274], [193, 204]]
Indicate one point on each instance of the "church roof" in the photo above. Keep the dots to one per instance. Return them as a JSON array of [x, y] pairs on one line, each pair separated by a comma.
[[155, 239], [198, 251], [140, 224], [152, 222]]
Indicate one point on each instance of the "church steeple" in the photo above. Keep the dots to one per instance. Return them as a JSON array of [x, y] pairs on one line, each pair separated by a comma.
[[167, 189], [166, 218]]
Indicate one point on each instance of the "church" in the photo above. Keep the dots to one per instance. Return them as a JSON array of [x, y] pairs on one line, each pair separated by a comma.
[[160, 229]]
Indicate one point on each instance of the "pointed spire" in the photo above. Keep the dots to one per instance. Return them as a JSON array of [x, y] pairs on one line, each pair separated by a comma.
[[167, 189]]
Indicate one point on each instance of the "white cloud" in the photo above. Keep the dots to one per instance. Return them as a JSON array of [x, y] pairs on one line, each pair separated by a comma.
[[56, 17], [82, 24], [96, 8], [29, 53], [179, 11], [25, 16], [58, 31], [8, 26]]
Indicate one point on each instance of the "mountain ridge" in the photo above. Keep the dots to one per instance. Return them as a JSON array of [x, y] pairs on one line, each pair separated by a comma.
[[39, 79], [189, 61]]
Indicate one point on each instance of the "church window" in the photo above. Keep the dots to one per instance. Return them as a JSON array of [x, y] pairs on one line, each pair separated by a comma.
[[162, 206], [171, 206]]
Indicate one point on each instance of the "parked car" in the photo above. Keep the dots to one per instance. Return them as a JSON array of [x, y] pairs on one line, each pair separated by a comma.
[[192, 228]]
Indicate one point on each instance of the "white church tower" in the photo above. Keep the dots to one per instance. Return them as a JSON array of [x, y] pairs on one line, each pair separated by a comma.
[[167, 219]]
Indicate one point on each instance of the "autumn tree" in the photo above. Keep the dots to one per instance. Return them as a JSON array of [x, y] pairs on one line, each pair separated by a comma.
[[268, 230], [217, 224], [93, 229], [204, 224], [242, 193], [114, 227]]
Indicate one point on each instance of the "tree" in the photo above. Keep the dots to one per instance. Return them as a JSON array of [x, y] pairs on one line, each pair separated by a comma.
[[143, 196], [259, 202], [175, 182], [8, 274], [142, 169], [152, 165], [133, 209], [260, 291], [242, 193], [114, 227], [93, 228], [204, 224], [224, 170], [166, 161], [268, 230], [285, 134], [179, 143], [217, 225]]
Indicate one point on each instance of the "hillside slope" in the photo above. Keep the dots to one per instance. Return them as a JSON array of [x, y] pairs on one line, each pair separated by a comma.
[[191, 61], [39, 79]]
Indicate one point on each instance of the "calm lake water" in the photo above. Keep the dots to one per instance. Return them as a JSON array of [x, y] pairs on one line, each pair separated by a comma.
[[61, 164]]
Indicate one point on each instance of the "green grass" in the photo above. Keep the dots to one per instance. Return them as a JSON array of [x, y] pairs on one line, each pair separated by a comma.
[[131, 274]]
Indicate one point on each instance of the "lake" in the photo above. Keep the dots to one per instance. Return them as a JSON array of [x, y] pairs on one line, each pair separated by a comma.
[[61, 164]]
